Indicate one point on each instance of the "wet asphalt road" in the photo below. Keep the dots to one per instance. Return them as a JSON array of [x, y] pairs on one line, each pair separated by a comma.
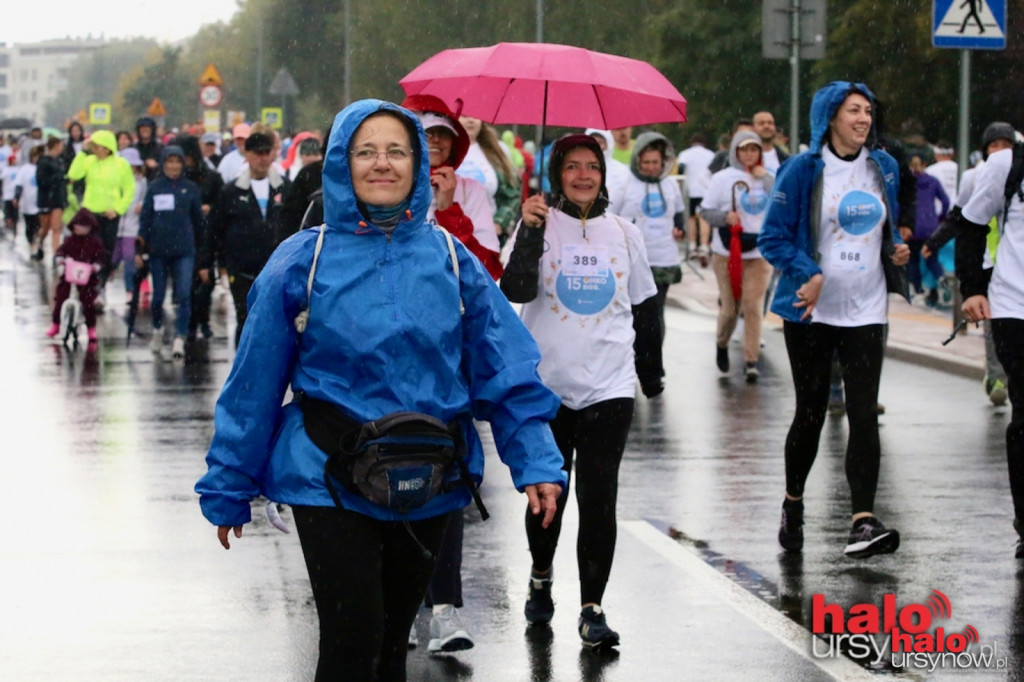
[[109, 571]]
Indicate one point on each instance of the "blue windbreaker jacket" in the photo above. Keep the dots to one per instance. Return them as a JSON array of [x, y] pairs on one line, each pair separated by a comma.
[[384, 335], [789, 236]]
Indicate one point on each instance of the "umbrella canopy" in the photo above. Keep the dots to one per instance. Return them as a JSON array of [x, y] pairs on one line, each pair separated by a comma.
[[547, 84], [15, 123]]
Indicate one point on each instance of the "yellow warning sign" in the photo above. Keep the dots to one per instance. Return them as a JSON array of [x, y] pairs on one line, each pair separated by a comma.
[[211, 76], [156, 108]]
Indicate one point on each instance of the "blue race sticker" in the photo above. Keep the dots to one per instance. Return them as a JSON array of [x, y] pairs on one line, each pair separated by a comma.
[[859, 212], [585, 295]]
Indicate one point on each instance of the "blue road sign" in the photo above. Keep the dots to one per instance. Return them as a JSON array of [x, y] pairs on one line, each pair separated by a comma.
[[969, 24]]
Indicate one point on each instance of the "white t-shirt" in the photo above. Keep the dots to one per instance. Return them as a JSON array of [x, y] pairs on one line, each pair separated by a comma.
[[582, 318], [26, 179], [231, 165], [616, 178], [853, 215], [652, 206], [261, 188], [1006, 290], [476, 167], [751, 204], [695, 161], [946, 172], [472, 199], [770, 160], [967, 185], [10, 176]]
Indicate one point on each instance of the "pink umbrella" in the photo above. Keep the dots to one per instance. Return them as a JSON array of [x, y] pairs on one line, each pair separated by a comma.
[[546, 84]]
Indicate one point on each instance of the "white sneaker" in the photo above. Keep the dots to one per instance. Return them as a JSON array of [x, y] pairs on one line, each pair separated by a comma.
[[414, 640], [447, 632], [156, 343], [178, 348]]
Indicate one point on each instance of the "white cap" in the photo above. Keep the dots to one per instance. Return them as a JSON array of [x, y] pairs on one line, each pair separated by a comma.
[[431, 120]]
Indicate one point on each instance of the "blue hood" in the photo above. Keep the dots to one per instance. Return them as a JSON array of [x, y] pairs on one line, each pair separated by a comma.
[[823, 108], [341, 210]]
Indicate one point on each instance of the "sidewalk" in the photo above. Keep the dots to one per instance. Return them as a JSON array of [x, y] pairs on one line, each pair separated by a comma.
[[915, 334]]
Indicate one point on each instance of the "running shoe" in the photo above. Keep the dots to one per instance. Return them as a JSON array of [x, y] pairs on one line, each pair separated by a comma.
[[997, 394], [540, 607], [791, 531], [722, 359], [156, 343], [869, 537], [178, 348], [594, 630], [752, 373], [92, 334], [52, 331], [414, 639], [447, 633]]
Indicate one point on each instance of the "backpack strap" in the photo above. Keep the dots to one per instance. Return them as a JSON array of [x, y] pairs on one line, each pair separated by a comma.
[[302, 319], [1014, 179], [455, 266]]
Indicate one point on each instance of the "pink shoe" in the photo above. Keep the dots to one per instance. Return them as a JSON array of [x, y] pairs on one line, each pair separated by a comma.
[[92, 334], [52, 331]]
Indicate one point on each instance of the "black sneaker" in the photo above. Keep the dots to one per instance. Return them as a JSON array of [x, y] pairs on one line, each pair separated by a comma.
[[869, 537], [791, 531], [540, 607], [752, 373], [722, 358], [594, 630], [1018, 526]]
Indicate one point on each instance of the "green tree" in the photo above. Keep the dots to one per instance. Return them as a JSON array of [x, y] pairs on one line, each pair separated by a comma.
[[161, 77]]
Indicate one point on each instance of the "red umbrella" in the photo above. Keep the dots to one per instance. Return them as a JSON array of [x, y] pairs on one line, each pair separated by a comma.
[[545, 84]]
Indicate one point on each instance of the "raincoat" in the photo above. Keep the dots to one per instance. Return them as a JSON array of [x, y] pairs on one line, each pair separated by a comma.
[[385, 334], [789, 236], [110, 183]]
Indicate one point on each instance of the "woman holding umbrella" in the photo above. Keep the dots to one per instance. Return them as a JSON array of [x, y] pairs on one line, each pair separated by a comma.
[[831, 230], [736, 203], [583, 279]]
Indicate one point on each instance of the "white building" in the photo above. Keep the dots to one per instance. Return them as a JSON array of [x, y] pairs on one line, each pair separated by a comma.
[[31, 74]]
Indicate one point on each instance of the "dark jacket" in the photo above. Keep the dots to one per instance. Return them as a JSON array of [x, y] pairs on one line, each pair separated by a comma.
[[172, 222], [928, 190], [299, 195], [53, 189], [148, 150], [242, 238], [209, 181]]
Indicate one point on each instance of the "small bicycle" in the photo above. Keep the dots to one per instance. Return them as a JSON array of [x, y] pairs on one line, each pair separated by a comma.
[[76, 273]]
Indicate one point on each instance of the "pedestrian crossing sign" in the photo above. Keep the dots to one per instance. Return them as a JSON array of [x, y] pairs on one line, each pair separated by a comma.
[[969, 24]]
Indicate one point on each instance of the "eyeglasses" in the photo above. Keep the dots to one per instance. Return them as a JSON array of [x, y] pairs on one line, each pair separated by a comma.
[[393, 154]]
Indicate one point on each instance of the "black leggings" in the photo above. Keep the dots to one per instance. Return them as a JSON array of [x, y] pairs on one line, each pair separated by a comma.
[[860, 351], [368, 578], [597, 435], [1007, 333]]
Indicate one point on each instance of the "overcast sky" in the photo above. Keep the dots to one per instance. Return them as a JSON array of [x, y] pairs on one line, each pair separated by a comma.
[[28, 21]]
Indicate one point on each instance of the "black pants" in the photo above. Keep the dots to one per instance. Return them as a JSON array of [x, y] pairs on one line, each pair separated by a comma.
[[31, 228], [597, 436], [202, 296], [240, 284], [860, 349], [368, 579], [108, 235], [446, 584], [1007, 335]]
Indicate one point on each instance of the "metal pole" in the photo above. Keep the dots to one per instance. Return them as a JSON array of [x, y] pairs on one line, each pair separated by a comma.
[[539, 131], [963, 145], [347, 90], [794, 85], [259, 64]]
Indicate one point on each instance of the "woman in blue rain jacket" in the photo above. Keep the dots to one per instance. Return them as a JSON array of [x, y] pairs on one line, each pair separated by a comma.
[[384, 334]]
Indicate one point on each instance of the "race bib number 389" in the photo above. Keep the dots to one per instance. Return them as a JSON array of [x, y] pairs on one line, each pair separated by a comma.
[[581, 260]]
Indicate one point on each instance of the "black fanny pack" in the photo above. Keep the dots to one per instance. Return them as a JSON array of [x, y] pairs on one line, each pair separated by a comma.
[[400, 461], [748, 240]]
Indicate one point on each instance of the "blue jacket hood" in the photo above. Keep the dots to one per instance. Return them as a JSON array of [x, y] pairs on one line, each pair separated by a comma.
[[341, 210], [824, 106]]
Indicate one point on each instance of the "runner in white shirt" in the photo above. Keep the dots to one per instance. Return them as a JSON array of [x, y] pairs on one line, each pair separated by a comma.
[[1000, 300], [583, 279]]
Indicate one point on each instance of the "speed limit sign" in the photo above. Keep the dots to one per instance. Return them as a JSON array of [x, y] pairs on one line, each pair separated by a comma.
[[210, 96]]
